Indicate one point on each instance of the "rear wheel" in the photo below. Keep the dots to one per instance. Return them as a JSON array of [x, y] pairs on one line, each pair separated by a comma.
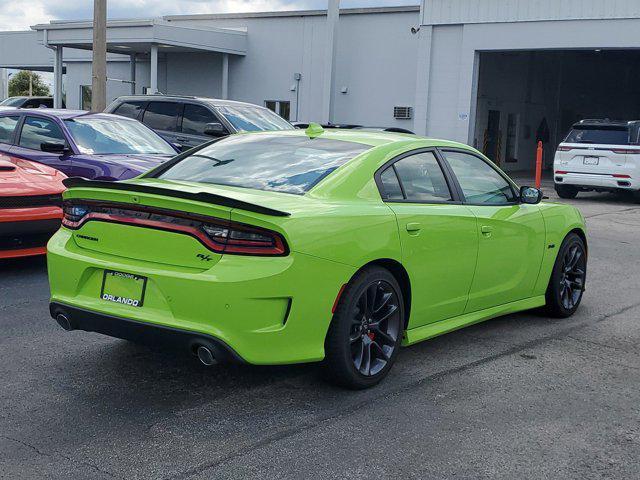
[[568, 277], [365, 333], [566, 191]]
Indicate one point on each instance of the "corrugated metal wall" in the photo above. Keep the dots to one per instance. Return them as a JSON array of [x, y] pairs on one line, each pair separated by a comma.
[[486, 11]]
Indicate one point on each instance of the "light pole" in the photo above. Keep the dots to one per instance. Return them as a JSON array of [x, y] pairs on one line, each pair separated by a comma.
[[99, 63]]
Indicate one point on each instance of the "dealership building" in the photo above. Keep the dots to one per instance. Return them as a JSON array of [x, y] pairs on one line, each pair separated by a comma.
[[496, 74]]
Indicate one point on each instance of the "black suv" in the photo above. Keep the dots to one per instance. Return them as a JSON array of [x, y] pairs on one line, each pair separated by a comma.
[[187, 122]]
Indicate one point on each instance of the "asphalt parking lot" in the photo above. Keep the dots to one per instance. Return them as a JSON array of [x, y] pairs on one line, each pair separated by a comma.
[[521, 396]]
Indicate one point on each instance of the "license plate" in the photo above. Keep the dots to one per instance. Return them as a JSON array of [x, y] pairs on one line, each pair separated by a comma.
[[591, 160], [123, 288]]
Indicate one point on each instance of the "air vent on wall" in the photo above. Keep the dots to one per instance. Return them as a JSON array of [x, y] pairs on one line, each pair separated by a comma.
[[402, 113]]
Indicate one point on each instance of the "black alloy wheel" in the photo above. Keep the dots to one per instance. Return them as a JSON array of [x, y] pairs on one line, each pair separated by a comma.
[[366, 331], [568, 278]]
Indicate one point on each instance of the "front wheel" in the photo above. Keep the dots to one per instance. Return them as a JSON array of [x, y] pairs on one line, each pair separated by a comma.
[[566, 191], [365, 334], [568, 277]]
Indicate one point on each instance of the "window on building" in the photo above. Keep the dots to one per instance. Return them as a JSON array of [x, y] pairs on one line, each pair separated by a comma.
[[37, 130], [161, 116], [281, 107], [7, 127], [129, 109], [85, 97], [195, 119], [479, 181]]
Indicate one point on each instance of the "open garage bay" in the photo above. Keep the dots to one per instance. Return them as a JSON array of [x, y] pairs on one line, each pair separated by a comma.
[[517, 397]]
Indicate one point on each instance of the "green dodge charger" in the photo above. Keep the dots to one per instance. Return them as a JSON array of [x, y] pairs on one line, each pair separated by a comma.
[[309, 246]]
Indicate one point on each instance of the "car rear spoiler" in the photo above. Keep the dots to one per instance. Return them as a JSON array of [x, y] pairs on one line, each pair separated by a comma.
[[211, 198]]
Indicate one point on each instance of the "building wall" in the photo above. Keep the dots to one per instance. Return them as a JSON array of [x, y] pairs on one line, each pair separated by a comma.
[[368, 63], [438, 12]]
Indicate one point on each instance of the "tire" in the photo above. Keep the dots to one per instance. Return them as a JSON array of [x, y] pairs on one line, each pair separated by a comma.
[[566, 191], [366, 331], [567, 282]]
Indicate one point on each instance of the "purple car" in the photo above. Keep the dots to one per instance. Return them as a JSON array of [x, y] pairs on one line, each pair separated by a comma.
[[81, 144]]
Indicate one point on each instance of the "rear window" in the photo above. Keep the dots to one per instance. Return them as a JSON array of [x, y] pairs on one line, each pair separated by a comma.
[[265, 162], [599, 135]]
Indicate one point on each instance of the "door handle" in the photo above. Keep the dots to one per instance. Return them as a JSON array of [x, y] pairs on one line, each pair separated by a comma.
[[413, 227], [486, 230]]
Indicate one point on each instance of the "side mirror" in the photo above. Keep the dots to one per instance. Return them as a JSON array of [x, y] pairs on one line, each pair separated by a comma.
[[54, 147], [530, 195], [215, 129]]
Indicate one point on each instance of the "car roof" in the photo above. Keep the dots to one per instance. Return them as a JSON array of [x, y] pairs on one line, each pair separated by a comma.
[[62, 114], [605, 122], [373, 138], [173, 98]]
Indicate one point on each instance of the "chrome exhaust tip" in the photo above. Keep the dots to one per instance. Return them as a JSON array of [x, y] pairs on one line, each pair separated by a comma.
[[206, 356], [64, 322]]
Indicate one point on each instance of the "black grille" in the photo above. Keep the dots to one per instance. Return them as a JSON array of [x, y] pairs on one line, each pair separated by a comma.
[[20, 235], [31, 201]]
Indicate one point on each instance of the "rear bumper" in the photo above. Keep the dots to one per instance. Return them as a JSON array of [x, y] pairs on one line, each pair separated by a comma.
[[596, 181], [141, 332], [268, 310]]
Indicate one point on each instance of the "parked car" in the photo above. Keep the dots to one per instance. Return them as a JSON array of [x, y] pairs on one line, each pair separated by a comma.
[[28, 102], [82, 144], [191, 121], [30, 206], [600, 155], [303, 246]]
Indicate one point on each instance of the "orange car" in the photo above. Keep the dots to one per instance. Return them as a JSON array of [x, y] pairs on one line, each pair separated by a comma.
[[30, 206]]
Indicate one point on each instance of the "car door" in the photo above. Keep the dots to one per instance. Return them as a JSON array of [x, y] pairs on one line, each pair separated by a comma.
[[438, 235], [33, 133], [511, 234], [8, 127], [194, 121], [163, 118]]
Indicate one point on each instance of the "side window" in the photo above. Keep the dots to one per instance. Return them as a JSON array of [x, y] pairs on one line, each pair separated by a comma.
[[7, 127], [129, 109], [422, 179], [391, 185], [161, 116], [195, 119], [479, 181], [37, 131]]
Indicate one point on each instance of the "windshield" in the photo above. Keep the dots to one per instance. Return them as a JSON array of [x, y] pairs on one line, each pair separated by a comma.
[[290, 164], [109, 135], [246, 118], [599, 135], [12, 102]]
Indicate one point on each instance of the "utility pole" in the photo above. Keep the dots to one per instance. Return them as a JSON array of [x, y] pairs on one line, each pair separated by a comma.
[[31, 84], [99, 63]]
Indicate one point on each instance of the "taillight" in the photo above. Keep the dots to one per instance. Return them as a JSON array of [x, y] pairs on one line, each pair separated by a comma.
[[564, 149], [625, 151], [73, 214], [244, 240], [220, 236], [561, 172], [621, 175]]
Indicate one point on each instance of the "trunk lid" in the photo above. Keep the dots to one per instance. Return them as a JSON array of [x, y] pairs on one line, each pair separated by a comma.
[[580, 158]]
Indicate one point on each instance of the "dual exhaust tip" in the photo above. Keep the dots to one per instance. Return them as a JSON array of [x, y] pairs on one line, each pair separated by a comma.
[[205, 355]]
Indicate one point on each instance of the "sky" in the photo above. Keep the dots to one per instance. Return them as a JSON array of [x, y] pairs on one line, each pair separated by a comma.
[[19, 15]]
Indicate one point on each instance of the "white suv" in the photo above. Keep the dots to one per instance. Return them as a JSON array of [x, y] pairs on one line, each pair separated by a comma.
[[600, 155]]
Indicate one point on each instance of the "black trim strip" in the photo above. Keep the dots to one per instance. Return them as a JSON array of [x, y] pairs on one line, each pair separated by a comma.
[[210, 198], [142, 332]]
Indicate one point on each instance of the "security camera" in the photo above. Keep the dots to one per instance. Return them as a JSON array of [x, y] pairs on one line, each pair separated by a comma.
[[415, 30]]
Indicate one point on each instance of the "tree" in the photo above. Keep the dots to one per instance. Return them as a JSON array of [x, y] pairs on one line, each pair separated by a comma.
[[19, 84]]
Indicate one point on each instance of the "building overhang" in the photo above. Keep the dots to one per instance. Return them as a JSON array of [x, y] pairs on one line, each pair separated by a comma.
[[130, 37]]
